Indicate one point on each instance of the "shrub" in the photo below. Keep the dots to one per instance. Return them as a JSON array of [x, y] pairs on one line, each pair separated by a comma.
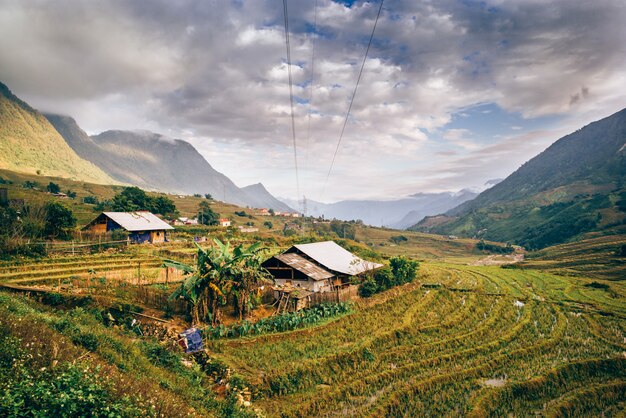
[[71, 391], [368, 288]]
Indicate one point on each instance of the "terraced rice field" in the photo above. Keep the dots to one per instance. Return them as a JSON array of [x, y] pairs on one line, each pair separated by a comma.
[[471, 341], [52, 270], [594, 257]]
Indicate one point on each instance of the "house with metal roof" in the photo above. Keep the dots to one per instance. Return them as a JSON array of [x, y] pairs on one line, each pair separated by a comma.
[[142, 226], [317, 267]]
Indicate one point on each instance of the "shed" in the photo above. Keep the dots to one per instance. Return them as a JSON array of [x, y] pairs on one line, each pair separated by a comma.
[[143, 226], [317, 267]]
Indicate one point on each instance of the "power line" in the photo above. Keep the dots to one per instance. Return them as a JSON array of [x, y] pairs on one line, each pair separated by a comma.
[[293, 121], [343, 128], [308, 133]]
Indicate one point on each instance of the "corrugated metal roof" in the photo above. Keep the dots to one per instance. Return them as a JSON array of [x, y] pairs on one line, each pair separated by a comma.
[[138, 221], [303, 265], [336, 258]]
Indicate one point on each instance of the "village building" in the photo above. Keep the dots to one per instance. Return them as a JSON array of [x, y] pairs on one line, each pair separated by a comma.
[[142, 226], [263, 212], [185, 221], [224, 222], [248, 229], [317, 267]]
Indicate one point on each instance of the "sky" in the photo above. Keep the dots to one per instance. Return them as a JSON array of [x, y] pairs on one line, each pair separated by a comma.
[[452, 94]]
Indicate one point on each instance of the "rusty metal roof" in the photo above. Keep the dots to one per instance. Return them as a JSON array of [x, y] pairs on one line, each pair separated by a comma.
[[334, 257], [304, 266]]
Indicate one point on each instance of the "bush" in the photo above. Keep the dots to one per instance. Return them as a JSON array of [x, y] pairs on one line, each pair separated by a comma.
[[368, 288], [71, 391], [90, 200], [87, 340], [401, 270]]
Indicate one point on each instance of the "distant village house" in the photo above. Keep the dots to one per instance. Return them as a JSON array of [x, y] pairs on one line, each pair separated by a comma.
[[223, 222], [142, 226]]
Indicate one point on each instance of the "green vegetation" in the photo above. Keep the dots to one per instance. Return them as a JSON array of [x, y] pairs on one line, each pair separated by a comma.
[[401, 270], [221, 272], [133, 199], [59, 220], [53, 187], [494, 248], [206, 215], [69, 363], [285, 322]]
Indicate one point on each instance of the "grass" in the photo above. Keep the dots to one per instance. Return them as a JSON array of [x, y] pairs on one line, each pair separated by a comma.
[[417, 351], [592, 257]]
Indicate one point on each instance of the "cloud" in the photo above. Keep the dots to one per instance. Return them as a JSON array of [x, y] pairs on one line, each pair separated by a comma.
[[215, 73]]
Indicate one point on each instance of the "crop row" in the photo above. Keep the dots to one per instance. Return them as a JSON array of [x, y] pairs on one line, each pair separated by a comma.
[[426, 351]]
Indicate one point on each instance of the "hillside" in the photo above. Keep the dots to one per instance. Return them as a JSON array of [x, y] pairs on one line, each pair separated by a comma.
[[259, 197], [153, 161], [30, 144], [573, 187]]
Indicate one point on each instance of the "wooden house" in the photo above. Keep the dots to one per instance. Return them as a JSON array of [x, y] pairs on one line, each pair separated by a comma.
[[142, 226], [317, 267]]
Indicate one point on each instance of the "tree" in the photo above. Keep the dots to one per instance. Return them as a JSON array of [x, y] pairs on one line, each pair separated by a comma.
[[368, 288], [59, 220], [206, 215], [208, 196], [91, 200], [271, 212], [219, 271], [132, 199], [71, 194], [53, 187], [268, 224], [163, 206]]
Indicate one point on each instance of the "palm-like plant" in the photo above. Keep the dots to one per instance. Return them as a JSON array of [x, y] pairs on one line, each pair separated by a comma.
[[220, 271]]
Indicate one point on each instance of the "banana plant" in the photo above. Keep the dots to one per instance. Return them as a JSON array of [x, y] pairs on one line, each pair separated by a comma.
[[219, 272]]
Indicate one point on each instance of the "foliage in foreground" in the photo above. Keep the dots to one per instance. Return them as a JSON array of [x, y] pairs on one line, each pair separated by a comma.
[[280, 323]]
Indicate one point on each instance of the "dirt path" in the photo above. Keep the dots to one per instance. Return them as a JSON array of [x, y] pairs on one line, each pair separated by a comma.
[[499, 260]]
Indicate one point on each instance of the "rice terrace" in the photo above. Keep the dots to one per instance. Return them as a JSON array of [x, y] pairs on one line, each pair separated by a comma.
[[328, 208]]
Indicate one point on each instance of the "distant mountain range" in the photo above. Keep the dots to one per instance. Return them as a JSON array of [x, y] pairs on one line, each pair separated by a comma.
[[55, 145], [399, 213], [575, 186], [30, 144]]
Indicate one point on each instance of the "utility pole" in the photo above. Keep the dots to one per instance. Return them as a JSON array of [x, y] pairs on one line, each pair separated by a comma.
[[303, 214]]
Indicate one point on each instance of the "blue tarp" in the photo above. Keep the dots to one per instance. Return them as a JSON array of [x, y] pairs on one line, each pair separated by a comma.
[[191, 340]]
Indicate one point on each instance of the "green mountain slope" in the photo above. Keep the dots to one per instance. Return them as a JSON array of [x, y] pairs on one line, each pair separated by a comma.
[[573, 187], [30, 144]]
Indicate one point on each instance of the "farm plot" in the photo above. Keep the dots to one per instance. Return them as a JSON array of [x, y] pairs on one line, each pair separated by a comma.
[[472, 340]]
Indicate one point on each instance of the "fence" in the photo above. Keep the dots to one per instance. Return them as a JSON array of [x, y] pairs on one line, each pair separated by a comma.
[[159, 299], [78, 247], [339, 295]]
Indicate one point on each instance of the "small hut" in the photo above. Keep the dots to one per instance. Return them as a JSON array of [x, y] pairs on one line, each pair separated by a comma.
[[142, 226], [314, 268]]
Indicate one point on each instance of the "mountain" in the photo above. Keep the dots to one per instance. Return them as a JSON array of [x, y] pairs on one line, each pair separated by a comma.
[[30, 144], [261, 198], [154, 161], [573, 187], [399, 213], [432, 203]]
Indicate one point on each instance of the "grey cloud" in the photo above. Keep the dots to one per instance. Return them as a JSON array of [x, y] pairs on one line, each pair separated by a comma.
[[214, 71]]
